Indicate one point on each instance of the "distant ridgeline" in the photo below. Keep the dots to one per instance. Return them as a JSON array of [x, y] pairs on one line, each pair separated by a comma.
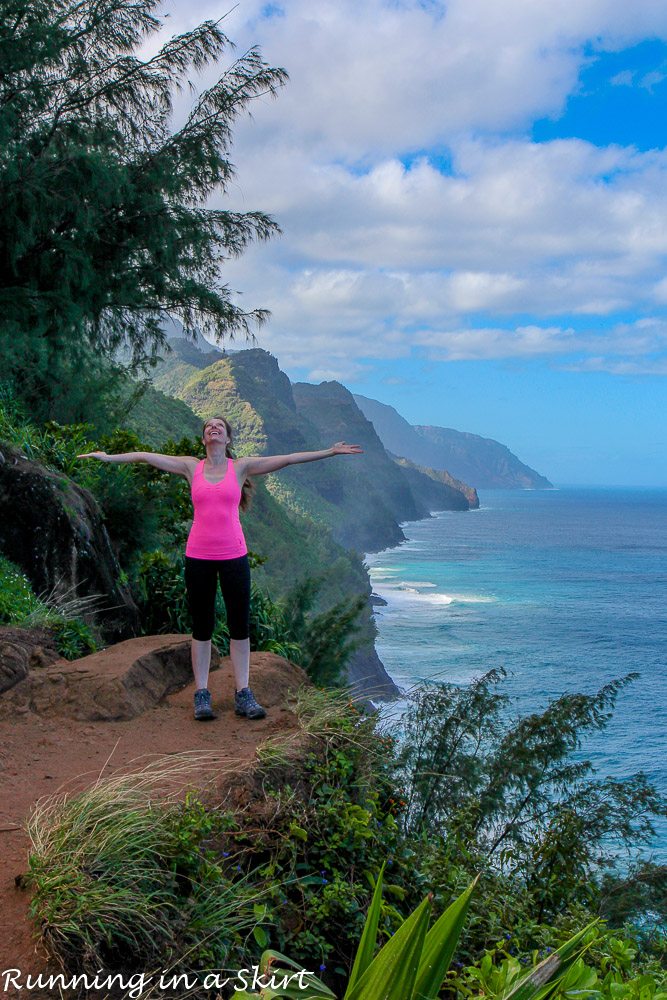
[[482, 461], [317, 518]]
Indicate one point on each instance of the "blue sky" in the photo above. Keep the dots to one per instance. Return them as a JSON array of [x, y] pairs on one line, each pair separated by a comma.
[[473, 197]]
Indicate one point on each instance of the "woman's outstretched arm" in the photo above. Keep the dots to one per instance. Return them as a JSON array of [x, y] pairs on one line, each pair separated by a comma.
[[263, 464], [178, 464]]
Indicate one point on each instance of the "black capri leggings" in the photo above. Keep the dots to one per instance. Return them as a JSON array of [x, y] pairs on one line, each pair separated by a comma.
[[201, 583]]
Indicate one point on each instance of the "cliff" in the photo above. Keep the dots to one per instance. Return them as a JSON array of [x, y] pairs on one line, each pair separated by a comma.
[[474, 459], [360, 502], [371, 494], [53, 530], [436, 488]]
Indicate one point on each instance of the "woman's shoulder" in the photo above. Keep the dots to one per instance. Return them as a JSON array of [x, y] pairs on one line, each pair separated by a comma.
[[192, 466]]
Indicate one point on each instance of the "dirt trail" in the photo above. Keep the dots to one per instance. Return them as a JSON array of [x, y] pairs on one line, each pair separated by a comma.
[[44, 749]]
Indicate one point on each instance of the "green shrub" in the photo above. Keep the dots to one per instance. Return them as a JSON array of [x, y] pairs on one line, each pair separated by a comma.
[[320, 643], [122, 879], [511, 795], [20, 607], [327, 639], [74, 638], [413, 964], [327, 828], [17, 601], [317, 818], [159, 591], [608, 971]]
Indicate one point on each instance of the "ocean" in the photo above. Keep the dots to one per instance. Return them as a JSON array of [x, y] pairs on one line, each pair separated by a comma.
[[566, 589]]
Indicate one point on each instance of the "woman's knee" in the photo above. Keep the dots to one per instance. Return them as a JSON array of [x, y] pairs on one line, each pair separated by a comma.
[[202, 632]]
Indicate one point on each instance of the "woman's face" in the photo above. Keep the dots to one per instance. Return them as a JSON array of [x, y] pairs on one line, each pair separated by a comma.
[[215, 432]]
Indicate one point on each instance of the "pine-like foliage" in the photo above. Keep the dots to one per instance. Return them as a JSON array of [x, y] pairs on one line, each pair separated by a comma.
[[104, 224], [517, 794]]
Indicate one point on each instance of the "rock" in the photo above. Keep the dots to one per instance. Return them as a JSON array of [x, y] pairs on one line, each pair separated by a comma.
[[52, 529], [271, 677], [120, 682], [132, 677], [23, 650], [367, 676]]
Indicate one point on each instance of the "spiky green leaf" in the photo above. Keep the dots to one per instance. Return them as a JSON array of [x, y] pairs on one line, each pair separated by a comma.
[[439, 947], [392, 973]]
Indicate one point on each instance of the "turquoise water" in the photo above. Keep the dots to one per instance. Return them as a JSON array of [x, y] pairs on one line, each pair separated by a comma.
[[565, 588]]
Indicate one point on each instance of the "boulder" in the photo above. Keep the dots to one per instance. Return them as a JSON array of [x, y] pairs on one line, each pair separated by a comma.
[[130, 678], [116, 683], [52, 529], [23, 650]]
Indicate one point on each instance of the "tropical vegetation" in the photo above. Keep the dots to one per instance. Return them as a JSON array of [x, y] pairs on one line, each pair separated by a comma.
[[311, 854]]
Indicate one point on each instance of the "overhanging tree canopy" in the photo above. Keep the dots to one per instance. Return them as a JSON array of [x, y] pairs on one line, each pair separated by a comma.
[[104, 224]]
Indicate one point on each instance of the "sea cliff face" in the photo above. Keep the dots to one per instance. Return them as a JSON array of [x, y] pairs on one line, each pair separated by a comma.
[[437, 489], [485, 463]]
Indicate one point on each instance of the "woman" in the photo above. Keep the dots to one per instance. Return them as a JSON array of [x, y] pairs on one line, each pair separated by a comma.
[[216, 549]]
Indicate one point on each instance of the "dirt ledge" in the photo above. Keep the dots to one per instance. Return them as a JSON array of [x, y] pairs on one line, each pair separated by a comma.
[[48, 743]]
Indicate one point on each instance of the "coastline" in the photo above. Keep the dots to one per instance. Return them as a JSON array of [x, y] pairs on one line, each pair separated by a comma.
[[564, 588], [394, 691]]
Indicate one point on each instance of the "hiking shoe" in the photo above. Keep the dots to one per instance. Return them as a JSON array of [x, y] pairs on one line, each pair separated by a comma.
[[203, 707], [245, 704]]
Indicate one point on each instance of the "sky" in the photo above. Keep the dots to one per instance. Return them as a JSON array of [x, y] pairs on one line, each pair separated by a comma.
[[473, 203]]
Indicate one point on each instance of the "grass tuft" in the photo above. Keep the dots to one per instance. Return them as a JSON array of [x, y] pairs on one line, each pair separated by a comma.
[[122, 869]]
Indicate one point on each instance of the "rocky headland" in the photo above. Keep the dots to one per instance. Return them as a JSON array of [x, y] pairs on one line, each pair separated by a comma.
[[486, 463]]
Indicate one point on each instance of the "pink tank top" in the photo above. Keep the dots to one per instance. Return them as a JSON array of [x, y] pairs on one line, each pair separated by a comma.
[[216, 531]]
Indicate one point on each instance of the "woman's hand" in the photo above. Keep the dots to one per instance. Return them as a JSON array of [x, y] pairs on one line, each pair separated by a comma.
[[102, 455], [343, 448]]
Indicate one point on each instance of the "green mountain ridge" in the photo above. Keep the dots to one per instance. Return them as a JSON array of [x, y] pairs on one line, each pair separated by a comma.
[[465, 457], [315, 518], [363, 501]]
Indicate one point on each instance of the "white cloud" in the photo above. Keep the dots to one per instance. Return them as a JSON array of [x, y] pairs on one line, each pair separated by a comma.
[[385, 252], [615, 367], [370, 77], [625, 78], [484, 344], [341, 372], [621, 345], [510, 206]]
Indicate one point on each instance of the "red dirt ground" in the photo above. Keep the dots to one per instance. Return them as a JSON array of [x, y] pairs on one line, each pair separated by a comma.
[[43, 753]]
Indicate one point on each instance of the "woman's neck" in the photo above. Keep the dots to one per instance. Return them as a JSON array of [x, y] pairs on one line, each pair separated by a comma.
[[215, 455]]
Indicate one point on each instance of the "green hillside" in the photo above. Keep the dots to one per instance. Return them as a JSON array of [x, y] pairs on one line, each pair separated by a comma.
[[316, 518], [156, 417], [289, 526]]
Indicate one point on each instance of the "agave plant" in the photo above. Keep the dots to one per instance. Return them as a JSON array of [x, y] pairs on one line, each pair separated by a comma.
[[412, 965]]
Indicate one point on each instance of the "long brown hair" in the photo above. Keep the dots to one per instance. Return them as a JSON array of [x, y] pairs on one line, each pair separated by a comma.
[[248, 487]]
